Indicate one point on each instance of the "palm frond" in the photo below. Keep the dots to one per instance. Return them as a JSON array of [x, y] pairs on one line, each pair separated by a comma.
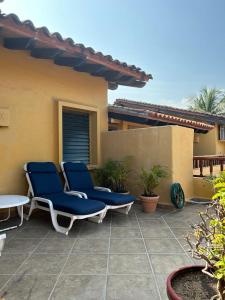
[[210, 100]]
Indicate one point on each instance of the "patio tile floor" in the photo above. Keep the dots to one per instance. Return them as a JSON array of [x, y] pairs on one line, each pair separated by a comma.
[[125, 258]]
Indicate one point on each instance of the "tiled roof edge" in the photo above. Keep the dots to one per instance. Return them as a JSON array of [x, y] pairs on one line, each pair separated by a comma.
[[159, 116], [124, 102], [57, 36]]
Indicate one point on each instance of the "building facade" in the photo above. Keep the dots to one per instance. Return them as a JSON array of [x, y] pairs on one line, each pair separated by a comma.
[[53, 99]]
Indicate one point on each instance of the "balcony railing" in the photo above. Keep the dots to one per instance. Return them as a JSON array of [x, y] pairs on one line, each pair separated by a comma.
[[208, 165]]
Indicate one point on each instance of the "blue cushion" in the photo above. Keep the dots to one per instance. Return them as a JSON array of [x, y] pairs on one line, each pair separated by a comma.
[[109, 198], [41, 167], [44, 178], [78, 176], [79, 179], [76, 167], [74, 205]]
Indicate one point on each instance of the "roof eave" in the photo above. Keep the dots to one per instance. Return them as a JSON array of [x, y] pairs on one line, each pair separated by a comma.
[[204, 117], [117, 73], [163, 119]]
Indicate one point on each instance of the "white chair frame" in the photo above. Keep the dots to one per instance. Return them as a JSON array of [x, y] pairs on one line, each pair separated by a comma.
[[123, 208], [96, 217]]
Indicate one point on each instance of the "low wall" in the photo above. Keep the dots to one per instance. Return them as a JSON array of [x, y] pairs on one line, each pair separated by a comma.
[[202, 188], [170, 146]]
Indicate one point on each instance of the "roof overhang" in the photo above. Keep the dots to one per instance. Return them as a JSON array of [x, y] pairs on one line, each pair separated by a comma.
[[18, 35], [173, 111]]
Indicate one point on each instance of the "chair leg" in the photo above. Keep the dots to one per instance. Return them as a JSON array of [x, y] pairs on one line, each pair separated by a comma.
[[58, 228], [99, 218], [128, 208], [32, 207], [125, 210], [102, 216]]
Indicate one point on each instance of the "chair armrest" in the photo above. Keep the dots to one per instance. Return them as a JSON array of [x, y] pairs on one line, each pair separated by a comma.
[[40, 199], [103, 189], [77, 193]]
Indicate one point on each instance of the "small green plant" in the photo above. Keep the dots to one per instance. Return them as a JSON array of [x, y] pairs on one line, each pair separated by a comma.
[[150, 179], [207, 241], [210, 179], [114, 174], [102, 175]]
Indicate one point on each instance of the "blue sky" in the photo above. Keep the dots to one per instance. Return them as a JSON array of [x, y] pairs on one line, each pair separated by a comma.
[[180, 42]]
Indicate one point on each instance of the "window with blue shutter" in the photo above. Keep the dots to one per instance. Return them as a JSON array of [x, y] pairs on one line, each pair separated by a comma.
[[222, 132], [76, 145]]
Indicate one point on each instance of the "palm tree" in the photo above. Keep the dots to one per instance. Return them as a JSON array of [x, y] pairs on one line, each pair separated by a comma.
[[209, 100]]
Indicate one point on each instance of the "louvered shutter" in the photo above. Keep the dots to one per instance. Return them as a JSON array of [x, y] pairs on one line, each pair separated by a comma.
[[76, 136]]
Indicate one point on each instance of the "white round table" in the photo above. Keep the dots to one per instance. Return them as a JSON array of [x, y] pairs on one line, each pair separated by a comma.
[[9, 201]]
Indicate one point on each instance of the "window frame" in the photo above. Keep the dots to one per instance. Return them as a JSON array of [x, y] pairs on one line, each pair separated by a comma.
[[94, 129], [222, 129]]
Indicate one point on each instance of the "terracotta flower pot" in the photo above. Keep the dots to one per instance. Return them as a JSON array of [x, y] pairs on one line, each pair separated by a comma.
[[149, 203], [172, 295]]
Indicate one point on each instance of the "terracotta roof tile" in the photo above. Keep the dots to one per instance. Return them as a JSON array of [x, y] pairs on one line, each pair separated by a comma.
[[164, 118], [12, 23], [178, 112]]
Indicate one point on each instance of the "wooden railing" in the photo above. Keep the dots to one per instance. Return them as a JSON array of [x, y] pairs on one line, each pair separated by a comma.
[[210, 161]]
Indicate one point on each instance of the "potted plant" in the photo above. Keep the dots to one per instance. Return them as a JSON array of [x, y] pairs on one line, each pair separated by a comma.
[[207, 242], [150, 179], [114, 174]]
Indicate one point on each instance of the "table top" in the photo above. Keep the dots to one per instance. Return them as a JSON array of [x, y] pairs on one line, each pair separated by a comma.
[[7, 201]]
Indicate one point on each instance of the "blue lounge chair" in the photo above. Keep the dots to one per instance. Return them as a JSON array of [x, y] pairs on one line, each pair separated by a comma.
[[78, 179], [46, 191]]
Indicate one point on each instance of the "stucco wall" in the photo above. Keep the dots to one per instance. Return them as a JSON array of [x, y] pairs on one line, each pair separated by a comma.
[[170, 146], [202, 188], [124, 125], [209, 143], [182, 158], [31, 88]]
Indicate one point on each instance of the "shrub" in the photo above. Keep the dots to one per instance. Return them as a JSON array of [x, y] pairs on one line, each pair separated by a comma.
[[207, 241], [114, 174]]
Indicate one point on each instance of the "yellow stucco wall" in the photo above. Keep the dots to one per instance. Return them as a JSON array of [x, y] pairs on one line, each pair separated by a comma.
[[182, 158], [169, 146], [209, 143], [31, 88], [202, 188]]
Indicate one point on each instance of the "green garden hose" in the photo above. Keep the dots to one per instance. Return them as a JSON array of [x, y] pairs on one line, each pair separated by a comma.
[[177, 195]]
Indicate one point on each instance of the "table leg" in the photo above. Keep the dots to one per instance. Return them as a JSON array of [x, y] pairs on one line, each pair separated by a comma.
[[7, 216], [20, 213]]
